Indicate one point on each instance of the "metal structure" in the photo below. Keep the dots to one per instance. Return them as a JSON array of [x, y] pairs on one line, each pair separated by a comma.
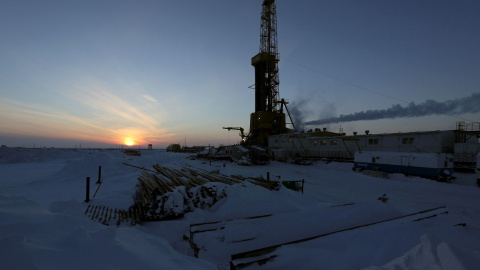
[[268, 118], [239, 129], [266, 61]]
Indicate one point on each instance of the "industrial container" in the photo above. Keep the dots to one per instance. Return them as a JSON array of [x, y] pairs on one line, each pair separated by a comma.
[[430, 165]]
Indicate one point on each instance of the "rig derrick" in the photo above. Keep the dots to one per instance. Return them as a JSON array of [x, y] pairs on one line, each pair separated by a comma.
[[268, 118]]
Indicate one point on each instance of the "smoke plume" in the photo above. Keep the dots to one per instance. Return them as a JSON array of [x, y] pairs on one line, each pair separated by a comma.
[[301, 109], [297, 115], [470, 104]]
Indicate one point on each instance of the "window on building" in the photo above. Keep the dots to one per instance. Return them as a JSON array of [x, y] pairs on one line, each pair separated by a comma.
[[323, 142], [333, 142], [372, 141], [407, 140], [314, 142]]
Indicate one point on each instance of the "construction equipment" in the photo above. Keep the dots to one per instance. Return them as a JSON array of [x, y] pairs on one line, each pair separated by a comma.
[[242, 134]]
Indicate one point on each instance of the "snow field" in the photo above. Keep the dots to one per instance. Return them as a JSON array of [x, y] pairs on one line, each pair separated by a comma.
[[43, 226]]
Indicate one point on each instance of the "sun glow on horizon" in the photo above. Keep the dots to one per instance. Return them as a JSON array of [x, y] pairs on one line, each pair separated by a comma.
[[129, 142]]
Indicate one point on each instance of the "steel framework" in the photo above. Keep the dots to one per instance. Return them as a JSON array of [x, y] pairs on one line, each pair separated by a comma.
[[266, 61]]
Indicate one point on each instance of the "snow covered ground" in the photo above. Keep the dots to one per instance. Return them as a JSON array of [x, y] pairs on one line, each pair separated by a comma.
[[43, 223]]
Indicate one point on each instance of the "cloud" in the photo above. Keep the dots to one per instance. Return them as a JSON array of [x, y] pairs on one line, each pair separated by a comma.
[[150, 98], [122, 112], [95, 111], [34, 119]]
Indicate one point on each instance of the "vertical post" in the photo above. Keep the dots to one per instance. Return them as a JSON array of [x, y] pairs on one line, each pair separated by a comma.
[[87, 196], [99, 174], [478, 170], [478, 179], [268, 176]]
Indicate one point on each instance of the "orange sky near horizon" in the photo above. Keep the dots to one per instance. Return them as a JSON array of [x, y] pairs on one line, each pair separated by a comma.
[[96, 115]]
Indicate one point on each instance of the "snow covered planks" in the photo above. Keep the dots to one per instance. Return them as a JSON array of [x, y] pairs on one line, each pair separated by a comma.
[[262, 255], [212, 226], [240, 242]]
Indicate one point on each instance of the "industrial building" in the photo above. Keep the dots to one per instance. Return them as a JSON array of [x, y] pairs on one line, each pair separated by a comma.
[[462, 142]]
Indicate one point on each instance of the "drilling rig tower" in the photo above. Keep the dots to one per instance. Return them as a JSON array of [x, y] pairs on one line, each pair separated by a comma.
[[268, 118]]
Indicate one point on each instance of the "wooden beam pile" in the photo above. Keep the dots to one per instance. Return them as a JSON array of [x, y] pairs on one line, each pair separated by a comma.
[[167, 193], [167, 179], [172, 192]]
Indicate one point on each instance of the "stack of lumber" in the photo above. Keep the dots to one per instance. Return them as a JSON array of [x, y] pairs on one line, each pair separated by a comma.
[[167, 193], [167, 179], [171, 192]]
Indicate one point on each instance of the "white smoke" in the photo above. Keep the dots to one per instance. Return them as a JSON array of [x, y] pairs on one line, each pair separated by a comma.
[[301, 109], [470, 104]]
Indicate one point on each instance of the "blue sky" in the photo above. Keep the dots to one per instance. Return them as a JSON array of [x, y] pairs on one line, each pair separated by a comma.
[[99, 73]]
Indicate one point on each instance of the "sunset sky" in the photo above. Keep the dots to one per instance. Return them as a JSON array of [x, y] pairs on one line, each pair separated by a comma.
[[104, 73]]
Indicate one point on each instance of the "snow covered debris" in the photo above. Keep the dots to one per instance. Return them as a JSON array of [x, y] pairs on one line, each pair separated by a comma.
[[182, 200]]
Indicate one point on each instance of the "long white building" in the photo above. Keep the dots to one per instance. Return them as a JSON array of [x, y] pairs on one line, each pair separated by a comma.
[[463, 144]]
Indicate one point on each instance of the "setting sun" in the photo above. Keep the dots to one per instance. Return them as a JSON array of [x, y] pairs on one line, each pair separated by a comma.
[[129, 142]]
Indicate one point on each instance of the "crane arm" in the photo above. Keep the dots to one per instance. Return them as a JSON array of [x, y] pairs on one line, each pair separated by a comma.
[[236, 128]]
